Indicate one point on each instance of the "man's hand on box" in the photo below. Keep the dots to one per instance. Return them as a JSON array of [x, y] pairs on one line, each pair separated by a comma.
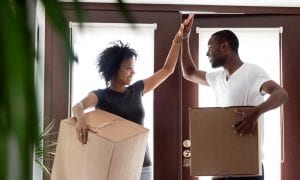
[[246, 125]]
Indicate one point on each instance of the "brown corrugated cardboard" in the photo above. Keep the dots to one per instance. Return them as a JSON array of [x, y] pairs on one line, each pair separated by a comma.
[[115, 152], [216, 150]]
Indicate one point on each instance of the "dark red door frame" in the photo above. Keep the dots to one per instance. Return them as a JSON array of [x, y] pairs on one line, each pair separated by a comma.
[[176, 95]]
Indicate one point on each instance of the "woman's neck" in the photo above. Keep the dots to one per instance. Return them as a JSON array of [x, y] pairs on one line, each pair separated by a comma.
[[117, 87]]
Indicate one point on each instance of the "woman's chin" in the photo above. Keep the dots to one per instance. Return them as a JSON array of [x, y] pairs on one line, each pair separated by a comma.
[[128, 82]]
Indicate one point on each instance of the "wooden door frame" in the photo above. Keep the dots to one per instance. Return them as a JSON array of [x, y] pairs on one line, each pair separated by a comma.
[[183, 92], [289, 68], [166, 97]]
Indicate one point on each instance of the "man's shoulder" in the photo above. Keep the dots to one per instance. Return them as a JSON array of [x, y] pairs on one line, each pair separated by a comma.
[[252, 66], [255, 70], [216, 72]]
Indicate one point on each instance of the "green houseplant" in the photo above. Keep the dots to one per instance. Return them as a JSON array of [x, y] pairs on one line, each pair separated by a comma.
[[42, 151], [18, 103]]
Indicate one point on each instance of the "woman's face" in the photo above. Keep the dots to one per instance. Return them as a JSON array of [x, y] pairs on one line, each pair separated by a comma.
[[126, 71]]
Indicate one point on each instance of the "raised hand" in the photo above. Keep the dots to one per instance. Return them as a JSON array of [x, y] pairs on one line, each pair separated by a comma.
[[187, 24]]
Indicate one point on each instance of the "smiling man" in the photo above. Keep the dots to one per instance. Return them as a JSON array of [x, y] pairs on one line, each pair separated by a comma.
[[237, 84]]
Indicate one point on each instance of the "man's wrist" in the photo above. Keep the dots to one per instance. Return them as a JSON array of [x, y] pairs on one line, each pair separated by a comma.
[[185, 39], [259, 109], [186, 36]]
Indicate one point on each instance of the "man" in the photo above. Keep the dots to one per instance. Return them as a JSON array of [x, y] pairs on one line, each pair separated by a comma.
[[237, 84]]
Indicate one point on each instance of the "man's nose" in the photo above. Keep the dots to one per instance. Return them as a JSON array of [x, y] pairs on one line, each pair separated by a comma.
[[207, 54]]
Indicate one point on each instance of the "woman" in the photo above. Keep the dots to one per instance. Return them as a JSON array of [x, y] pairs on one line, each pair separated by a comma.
[[116, 65]]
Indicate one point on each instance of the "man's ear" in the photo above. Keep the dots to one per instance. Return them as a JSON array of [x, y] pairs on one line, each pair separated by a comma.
[[225, 46]]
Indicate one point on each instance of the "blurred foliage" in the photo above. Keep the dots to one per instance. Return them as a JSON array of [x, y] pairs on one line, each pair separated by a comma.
[[44, 149], [18, 102]]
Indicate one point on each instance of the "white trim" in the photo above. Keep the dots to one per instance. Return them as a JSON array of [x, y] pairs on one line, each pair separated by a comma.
[[205, 12], [265, 3], [126, 25], [279, 29]]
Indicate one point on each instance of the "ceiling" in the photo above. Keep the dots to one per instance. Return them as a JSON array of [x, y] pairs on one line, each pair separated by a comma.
[[268, 3]]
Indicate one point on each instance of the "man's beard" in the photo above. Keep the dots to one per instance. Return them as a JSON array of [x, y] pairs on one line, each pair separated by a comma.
[[217, 62]]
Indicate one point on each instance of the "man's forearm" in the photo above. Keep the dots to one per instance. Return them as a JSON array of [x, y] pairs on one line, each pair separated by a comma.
[[276, 99]]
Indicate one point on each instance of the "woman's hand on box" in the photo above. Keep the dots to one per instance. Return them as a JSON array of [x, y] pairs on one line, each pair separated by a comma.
[[82, 129]]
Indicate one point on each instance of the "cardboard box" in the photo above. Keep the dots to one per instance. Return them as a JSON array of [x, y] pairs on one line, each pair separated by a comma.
[[115, 152], [216, 150]]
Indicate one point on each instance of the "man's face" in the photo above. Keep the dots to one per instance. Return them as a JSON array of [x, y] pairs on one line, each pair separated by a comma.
[[214, 53]]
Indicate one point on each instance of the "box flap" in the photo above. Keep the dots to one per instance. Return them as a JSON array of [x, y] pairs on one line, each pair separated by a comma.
[[111, 126]]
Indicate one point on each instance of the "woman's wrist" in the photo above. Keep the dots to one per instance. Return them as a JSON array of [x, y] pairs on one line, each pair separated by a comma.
[[80, 104], [177, 40], [81, 120]]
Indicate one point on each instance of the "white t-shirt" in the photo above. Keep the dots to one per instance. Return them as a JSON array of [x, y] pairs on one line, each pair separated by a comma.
[[242, 88]]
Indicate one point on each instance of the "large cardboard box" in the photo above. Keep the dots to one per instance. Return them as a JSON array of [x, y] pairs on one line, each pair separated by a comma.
[[115, 152], [216, 150]]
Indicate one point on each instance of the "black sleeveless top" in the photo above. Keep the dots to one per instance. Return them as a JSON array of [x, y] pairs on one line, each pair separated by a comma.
[[127, 105]]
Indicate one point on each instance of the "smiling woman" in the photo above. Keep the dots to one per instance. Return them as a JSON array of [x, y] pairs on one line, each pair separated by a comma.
[[93, 39]]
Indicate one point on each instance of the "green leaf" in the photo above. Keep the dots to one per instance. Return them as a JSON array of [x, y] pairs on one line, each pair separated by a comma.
[[17, 98], [18, 104], [126, 12]]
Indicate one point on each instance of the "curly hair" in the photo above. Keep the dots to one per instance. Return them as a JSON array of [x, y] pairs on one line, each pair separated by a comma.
[[110, 59]]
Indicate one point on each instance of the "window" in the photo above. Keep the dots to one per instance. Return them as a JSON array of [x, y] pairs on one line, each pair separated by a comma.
[[94, 38], [259, 46]]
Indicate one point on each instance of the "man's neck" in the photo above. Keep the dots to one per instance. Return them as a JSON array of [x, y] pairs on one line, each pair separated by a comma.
[[233, 64]]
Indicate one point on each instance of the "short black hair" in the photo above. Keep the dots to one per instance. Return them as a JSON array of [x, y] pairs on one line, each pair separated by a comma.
[[110, 59], [230, 37]]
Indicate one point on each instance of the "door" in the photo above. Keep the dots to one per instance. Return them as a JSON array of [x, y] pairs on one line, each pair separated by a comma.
[[166, 105], [190, 92], [173, 98]]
